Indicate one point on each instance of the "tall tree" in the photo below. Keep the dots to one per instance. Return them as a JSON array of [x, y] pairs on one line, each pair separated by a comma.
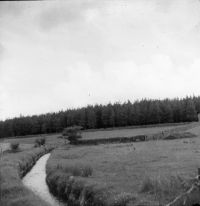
[[154, 113], [190, 111], [91, 117], [145, 111]]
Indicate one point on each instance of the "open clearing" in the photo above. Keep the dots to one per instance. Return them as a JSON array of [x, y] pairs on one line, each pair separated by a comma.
[[155, 172], [105, 133], [124, 167], [128, 132]]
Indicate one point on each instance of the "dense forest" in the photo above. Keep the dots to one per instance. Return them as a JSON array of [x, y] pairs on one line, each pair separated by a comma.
[[146, 111]]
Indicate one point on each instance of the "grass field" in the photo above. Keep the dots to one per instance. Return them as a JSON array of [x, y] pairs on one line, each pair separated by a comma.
[[144, 173], [50, 139], [105, 133], [128, 132], [154, 171]]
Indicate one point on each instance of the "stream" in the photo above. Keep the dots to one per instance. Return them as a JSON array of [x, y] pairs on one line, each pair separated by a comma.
[[35, 180]]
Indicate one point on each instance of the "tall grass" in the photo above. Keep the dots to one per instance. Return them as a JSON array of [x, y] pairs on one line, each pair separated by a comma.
[[72, 182], [13, 166], [164, 188], [76, 169], [77, 191]]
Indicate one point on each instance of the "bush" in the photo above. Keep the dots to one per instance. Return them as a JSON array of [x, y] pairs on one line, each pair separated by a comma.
[[40, 142], [72, 134], [14, 146]]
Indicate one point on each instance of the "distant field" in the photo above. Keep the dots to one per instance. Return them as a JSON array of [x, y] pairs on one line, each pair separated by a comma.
[[4, 147], [50, 139], [106, 133], [22, 146], [126, 167], [128, 132]]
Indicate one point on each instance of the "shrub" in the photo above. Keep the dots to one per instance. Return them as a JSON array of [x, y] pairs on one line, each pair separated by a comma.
[[72, 134], [40, 142], [14, 146]]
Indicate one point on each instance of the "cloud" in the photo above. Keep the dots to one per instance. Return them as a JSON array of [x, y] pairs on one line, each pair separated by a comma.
[[13, 8], [60, 13], [60, 54], [2, 49]]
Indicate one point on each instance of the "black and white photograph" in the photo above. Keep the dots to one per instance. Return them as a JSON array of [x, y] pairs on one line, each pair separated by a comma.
[[100, 103]]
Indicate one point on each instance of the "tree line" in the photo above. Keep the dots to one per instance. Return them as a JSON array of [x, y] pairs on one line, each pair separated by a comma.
[[143, 112]]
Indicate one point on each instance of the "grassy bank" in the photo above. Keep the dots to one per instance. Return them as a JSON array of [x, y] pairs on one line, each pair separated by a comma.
[[72, 182], [13, 166], [145, 173]]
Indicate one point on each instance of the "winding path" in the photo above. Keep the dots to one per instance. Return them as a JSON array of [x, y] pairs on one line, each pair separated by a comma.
[[35, 180]]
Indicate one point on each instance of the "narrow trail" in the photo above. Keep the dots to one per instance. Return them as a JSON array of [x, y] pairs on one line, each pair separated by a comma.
[[35, 180]]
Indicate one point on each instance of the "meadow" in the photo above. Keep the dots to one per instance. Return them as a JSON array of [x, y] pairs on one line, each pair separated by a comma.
[[149, 173], [52, 139], [143, 173], [132, 131]]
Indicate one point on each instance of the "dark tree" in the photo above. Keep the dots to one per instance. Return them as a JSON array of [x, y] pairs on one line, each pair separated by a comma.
[[190, 111], [72, 134], [145, 111]]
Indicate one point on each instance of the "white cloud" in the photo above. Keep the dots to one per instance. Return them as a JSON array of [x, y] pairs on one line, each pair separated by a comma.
[[64, 54]]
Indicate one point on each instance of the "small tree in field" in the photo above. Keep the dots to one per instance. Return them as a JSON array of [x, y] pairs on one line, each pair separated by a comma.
[[72, 134], [14, 146]]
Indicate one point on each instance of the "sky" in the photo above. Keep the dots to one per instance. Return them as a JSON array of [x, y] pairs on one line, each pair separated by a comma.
[[58, 54]]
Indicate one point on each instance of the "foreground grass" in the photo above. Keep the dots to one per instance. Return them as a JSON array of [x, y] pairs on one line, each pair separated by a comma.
[[72, 182], [144, 173], [164, 188], [106, 174], [13, 166]]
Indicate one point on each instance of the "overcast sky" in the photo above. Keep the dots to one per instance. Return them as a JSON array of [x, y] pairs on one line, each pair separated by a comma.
[[61, 54]]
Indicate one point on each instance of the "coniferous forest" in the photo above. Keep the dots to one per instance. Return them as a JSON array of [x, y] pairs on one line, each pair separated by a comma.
[[143, 112]]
